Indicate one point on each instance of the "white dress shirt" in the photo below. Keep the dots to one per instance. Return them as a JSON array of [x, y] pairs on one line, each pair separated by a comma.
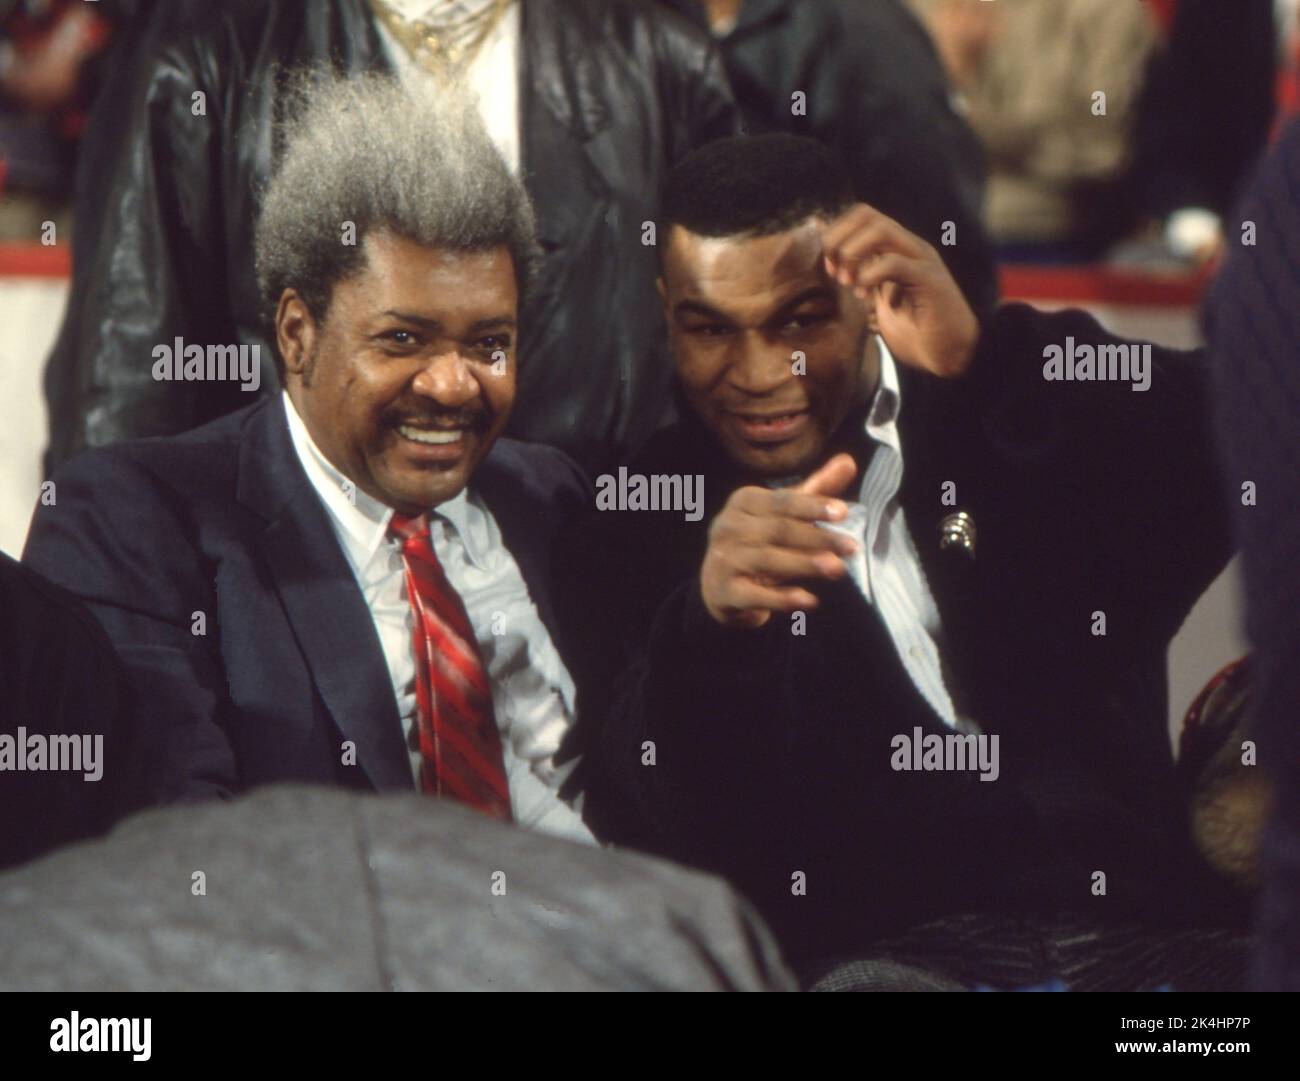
[[492, 73], [532, 691], [886, 568]]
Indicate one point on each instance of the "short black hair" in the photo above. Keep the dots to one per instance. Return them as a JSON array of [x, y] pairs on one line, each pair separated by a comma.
[[754, 185]]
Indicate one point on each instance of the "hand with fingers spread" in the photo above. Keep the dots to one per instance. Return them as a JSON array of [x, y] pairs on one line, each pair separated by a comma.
[[765, 542], [919, 309]]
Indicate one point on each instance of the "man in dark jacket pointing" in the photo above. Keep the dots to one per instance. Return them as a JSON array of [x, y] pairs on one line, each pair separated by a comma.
[[903, 679]]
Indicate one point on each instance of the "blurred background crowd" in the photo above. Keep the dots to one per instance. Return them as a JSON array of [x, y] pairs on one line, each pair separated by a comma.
[[1193, 90]]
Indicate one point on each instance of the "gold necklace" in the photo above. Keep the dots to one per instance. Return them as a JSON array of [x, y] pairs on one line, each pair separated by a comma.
[[442, 47]]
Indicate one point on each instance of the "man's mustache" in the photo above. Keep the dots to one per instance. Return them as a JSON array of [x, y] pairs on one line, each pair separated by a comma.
[[446, 421]]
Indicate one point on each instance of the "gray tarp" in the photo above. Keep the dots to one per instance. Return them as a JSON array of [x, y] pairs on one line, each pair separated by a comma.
[[316, 889]]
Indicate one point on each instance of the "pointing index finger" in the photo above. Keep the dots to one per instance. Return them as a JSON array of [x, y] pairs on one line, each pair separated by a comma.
[[832, 478]]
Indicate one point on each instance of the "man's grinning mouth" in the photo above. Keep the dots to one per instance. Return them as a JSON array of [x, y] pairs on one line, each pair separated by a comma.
[[768, 418], [430, 435]]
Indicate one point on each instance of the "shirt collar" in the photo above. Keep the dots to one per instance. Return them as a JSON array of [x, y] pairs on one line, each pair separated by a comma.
[[887, 402], [360, 520], [467, 517], [881, 416]]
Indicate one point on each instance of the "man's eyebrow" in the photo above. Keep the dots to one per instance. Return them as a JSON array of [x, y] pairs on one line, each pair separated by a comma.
[[494, 322], [813, 292], [409, 317], [698, 307]]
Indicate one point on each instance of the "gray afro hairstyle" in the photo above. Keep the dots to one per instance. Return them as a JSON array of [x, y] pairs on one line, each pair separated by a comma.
[[364, 149]]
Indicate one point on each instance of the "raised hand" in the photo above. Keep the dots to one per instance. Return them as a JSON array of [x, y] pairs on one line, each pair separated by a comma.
[[918, 308]]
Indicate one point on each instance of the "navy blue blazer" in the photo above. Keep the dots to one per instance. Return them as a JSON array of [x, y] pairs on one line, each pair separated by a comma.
[[251, 655]]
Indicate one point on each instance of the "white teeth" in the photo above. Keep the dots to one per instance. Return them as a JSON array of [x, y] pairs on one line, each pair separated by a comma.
[[430, 435]]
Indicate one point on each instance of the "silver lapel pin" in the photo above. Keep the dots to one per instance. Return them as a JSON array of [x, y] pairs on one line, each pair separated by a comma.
[[958, 531]]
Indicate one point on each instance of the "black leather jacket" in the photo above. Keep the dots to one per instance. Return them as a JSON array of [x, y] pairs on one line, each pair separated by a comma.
[[613, 92], [873, 89]]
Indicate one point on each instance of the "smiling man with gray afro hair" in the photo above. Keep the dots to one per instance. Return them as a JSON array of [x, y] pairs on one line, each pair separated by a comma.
[[365, 150]]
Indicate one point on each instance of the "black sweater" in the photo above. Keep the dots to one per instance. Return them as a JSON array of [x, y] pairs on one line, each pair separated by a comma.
[[772, 749]]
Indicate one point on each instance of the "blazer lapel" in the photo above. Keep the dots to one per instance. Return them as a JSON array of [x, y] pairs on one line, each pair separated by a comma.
[[329, 616]]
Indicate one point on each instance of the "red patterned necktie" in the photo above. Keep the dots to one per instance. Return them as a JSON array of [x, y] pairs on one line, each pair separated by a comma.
[[459, 743]]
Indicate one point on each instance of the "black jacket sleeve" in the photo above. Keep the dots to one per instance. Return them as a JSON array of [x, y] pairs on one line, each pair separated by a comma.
[[1138, 470], [670, 767], [59, 678], [121, 541]]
